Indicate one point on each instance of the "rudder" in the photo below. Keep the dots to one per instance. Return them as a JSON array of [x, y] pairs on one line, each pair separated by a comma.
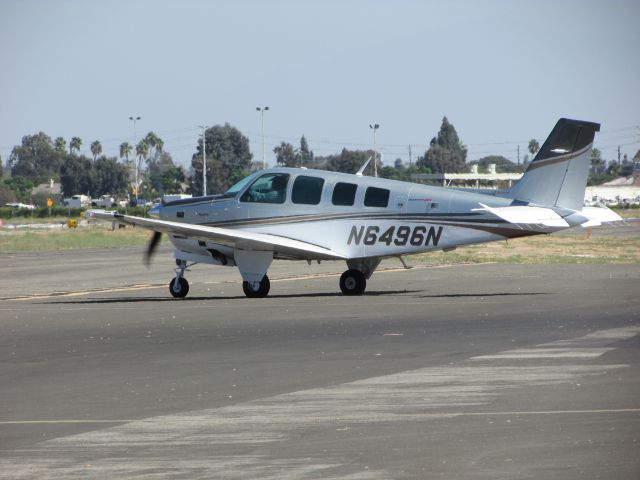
[[557, 176]]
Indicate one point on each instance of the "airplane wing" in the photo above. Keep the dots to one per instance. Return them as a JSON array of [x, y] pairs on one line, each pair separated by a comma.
[[238, 239]]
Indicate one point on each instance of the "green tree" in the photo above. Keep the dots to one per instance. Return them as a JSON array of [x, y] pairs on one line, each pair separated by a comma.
[[76, 175], [155, 145], [503, 164], [446, 152], [60, 145], [597, 163], [164, 176], [286, 155], [74, 145], [109, 177], [142, 151], [228, 159], [35, 159], [533, 147], [96, 149], [348, 161], [125, 150], [21, 187], [306, 155], [6, 195]]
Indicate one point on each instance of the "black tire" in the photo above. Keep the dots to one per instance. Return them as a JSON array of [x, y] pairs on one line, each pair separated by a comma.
[[262, 290], [352, 282], [179, 289]]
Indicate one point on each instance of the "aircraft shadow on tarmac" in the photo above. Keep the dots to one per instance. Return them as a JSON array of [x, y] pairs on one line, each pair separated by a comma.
[[480, 295], [300, 295], [227, 297]]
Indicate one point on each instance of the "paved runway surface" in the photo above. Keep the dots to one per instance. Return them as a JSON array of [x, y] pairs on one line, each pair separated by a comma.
[[484, 371]]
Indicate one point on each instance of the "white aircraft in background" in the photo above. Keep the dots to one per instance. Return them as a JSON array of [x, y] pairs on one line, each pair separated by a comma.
[[313, 215]]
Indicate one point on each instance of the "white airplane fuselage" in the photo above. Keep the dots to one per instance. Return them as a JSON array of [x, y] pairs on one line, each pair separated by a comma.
[[417, 218]]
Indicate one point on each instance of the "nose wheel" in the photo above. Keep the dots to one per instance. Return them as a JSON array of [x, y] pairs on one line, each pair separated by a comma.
[[179, 287], [352, 282]]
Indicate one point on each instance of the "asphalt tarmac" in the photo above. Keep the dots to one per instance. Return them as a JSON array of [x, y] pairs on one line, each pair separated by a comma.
[[479, 371]]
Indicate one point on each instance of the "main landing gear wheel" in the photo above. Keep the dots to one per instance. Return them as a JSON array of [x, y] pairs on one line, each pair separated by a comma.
[[257, 289], [352, 282], [179, 287]]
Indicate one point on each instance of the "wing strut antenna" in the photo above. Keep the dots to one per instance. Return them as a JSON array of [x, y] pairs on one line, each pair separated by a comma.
[[359, 172]]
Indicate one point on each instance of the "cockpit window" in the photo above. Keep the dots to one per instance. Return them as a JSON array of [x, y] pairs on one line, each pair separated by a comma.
[[269, 188], [237, 187]]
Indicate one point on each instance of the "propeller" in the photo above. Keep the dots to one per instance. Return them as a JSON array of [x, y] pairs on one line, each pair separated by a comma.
[[151, 248]]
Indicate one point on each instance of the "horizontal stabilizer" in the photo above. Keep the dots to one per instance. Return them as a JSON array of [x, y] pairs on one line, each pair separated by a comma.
[[524, 215], [598, 215]]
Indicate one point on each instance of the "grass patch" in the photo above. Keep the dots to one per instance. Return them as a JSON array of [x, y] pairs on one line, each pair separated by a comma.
[[93, 237]]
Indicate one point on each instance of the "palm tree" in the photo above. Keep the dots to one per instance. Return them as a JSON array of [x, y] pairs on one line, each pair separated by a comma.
[[96, 149], [154, 143], [125, 150], [60, 145], [142, 150], [534, 146], [74, 144]]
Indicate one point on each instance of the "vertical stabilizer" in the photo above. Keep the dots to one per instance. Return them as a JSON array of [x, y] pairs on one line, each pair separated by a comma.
[[557, 176]]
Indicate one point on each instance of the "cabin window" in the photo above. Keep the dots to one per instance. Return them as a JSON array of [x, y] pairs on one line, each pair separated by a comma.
[[307, 190], [180, 214], [376, 197], [269, 188], [344, 194]]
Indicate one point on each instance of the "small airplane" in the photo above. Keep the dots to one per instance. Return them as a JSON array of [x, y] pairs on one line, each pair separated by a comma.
[[314, 215]]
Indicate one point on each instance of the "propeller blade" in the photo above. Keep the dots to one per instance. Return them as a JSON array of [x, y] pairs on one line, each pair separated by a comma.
[[151, 248]]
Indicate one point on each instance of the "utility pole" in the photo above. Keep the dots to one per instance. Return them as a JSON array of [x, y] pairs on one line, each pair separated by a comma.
[[204, 160], [135, 119], [518, 154], [374, 127], [409, 156], [262, 110], [619, 155]]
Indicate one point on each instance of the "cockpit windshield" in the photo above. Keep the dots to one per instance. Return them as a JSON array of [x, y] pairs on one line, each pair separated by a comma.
[[236, 188]]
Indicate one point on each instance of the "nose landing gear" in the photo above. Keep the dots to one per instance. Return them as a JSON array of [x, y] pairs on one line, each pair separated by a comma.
[[179, 287]]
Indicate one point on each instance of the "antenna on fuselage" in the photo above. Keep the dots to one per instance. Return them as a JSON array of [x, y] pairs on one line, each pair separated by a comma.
[[359, 172]]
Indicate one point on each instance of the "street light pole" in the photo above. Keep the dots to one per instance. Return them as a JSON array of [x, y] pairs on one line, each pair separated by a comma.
[[204, 160], [375, 127], [135, 119], [262, 110]]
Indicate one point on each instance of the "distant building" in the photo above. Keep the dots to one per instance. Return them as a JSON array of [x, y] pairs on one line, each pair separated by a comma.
[[619, 191], [473, 179]]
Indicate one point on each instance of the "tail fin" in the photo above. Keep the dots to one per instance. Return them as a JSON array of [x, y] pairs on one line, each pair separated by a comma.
[[557, 176]]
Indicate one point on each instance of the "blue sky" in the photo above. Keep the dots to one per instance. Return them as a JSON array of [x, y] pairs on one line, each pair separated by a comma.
[[501, 71]]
